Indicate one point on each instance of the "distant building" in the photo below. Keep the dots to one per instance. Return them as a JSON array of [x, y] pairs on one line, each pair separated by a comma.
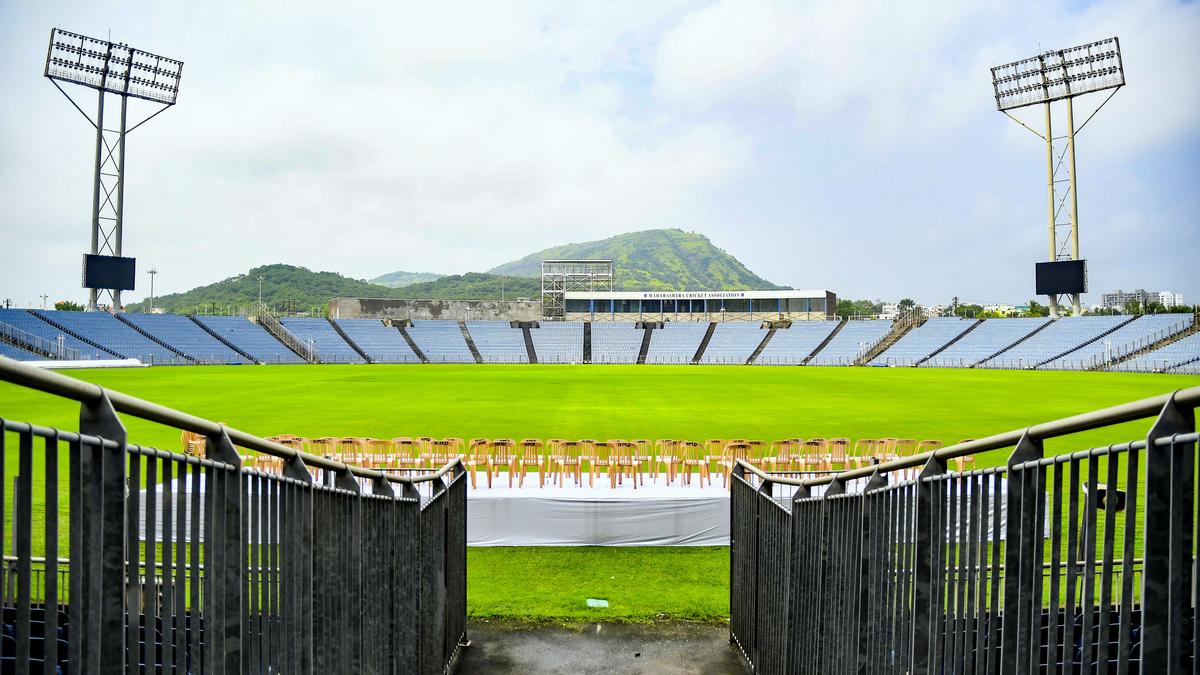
[[1118, 298], [890, 311]]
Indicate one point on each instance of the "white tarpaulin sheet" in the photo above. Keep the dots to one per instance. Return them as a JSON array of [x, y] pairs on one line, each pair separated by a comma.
[[651, 515]]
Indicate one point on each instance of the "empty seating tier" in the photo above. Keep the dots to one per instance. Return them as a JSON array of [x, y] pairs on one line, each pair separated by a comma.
[[250, 338], [103, 328], [384, 344], [989, 337], [920, 342], [442, 341], [1137, 334], [498, 342], [32, 324], [790, 346], [562, 341], [325, 340], [15, 352], [676, 342], [616, 341], [1061, 336], [184, 335], [733, 342], [853, 339], [1179, 356]]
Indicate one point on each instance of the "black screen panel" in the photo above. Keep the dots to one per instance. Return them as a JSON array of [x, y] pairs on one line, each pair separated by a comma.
[[108, 272], [1063, 276]]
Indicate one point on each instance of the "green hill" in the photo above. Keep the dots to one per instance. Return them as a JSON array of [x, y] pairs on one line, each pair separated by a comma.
[[402, 279], [653, 260]]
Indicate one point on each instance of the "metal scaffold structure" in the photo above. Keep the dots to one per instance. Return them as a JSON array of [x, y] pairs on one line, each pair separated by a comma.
[[562, 276]]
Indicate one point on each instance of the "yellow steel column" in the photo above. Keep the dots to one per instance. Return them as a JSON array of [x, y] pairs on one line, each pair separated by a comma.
[[1075, 305], [1050, 199]]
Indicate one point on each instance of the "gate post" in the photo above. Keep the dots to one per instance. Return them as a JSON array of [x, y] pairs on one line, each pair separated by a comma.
[[1021, 609], [1166, 573], [224, 553], [873, 537], [927, 566]]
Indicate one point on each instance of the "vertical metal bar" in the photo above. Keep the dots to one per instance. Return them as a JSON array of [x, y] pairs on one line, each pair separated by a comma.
[[167, 592], [998, 576], [1125, 621], [1055, 648], [925, 567], [229, 524], [1087, 598], [22, 530], [134, 628], [1016, 649], [149, 585], [1037, 556], [1106, 570], [1073, 547], [77, 569], [185, 541], [198, 619], [50, 654]]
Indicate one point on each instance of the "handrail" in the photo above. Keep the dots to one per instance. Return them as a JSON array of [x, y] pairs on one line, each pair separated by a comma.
[[85, 392], [1125, 412]]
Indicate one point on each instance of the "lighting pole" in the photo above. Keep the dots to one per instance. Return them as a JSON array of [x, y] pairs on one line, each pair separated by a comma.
[[44, 296], [152, 272], [260, 291]]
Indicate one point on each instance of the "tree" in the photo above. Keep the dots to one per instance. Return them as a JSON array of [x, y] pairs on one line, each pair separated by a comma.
[[1133, 306], [851, 308], [1155, 307], [68, 306], [906, 304], [1037, 309]]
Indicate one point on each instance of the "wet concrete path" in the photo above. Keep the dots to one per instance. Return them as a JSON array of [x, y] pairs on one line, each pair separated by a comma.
[[661, 649]]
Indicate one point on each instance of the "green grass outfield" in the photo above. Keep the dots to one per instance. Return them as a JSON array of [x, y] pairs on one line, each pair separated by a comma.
[[693, 402]]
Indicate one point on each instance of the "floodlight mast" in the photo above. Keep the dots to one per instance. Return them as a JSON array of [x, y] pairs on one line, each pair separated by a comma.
[[120, 70], [1047, 78]]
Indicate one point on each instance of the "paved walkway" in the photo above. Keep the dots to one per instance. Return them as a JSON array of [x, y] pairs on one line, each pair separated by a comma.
[[667, 649]]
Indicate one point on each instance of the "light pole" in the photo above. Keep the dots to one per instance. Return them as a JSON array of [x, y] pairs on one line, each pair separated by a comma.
[[152, 272], [260, 291], [44, 296], [502, 278]]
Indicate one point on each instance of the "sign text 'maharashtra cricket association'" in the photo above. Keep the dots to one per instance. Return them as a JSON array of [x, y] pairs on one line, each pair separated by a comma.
[[698, 295]]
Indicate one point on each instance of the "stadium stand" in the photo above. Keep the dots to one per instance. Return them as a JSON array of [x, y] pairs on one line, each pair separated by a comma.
[[30, 323], [1061, 336], [851, 340], [616, 341], [185, 336], [920, 342], [562, 341], [1180, 356], [15, 352], [1139, 333], [442, 341], [987, 339], [104, 329], [384, 344], [732, 342], [790, 346], [329, 345], [499, 342], [676, 342], [250, 338]]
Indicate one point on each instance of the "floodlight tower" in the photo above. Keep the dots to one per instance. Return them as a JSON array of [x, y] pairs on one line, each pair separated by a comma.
[[120, 70], [1048, 78]]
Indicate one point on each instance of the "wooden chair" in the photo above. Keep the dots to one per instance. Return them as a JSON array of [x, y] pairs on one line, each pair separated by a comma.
[[477, 457], [502, 456], [624, 460], [693, 457], [666, 453], [643, 454], [734, 452], [564, 457], [531, 453]]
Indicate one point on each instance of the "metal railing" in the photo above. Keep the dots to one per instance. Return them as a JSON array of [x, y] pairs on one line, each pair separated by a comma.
[[48, 348], [1077, 562], [157, 561], [289, 339]]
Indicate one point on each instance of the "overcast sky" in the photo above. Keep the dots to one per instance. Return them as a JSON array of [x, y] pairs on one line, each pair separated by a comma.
[[830, 144]]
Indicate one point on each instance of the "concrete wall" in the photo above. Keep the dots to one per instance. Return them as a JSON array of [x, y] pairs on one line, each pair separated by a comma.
[[456, 310]]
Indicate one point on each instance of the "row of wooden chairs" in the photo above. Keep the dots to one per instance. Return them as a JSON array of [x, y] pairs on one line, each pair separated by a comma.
[[559, 459]]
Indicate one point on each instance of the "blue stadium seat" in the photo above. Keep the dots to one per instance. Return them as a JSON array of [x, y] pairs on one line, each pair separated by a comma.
[[920, 342], [615, 341], [562, 341], [384, 344], [104, 329], [14, 352], [442, 341], [250, 338], [329, 345], [184, 335], [986, 339], [676, 342], [31, 323], [790, 346], [733, 342], [1137, 334], [498, 342], [1056, 339], [1180, 356], [855, 337]]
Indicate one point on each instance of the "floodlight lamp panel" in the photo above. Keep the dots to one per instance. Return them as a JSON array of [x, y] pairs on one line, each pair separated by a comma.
[[112, 67], [1060, 74]]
